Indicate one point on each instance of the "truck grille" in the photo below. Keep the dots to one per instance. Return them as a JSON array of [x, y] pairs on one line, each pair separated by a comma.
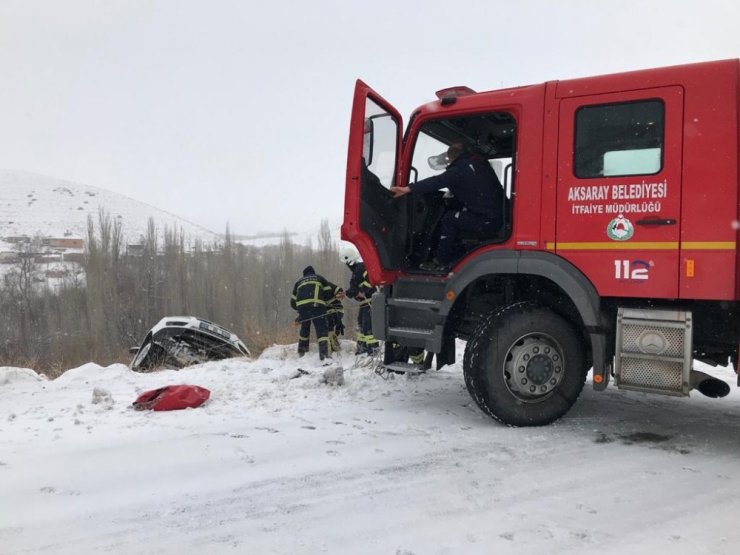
[[649, 375]]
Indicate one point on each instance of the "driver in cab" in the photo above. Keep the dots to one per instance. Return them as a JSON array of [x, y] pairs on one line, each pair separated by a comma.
[[473, 182]]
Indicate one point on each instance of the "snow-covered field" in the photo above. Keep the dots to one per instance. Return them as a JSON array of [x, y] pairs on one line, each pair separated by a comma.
[[278, 461], [34, 204]]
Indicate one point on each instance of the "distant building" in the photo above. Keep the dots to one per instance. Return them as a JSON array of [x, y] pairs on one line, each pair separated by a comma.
[[64, 242], [57, 273], [74, 257], [17, 239], [46, 258]]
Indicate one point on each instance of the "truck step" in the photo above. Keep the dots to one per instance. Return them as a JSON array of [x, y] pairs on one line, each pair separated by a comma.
[[414, 301], [410, 332], [414, 304]]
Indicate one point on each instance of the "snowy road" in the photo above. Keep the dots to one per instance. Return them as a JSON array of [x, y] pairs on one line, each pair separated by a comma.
[[279, 465]]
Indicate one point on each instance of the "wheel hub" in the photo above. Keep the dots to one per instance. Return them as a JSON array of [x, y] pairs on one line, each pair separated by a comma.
[[539, 369], [534, 367]]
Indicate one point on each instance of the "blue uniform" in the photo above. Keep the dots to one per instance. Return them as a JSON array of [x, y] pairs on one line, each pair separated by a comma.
[[311, 296], [361, 290], [473, 182]]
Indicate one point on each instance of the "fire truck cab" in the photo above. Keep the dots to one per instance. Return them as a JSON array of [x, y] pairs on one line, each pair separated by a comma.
[[618, 248]]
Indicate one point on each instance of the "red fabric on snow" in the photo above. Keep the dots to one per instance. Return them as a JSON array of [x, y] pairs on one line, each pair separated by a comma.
[[172, 397]]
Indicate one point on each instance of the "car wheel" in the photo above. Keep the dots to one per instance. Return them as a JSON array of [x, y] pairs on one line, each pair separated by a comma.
[[150, 356]]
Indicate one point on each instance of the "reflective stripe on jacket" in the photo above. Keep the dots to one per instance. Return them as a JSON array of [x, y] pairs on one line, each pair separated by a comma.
[[310, 290], [359, 285]]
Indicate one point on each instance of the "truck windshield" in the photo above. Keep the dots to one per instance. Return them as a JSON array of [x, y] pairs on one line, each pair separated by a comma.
[[491, 135], [427, 147]]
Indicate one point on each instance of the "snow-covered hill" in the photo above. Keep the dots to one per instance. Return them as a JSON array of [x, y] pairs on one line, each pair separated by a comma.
[[279, 461], [33, 204]]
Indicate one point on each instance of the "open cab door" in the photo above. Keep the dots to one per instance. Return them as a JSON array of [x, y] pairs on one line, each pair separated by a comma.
[[374, 221]]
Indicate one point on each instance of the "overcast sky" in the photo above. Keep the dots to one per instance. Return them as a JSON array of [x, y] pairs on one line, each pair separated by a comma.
[[238, 111]]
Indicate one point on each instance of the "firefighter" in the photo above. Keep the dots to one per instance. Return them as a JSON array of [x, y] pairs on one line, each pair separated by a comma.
[[475, 185], [361, 290], [334, 317], [310, 296]]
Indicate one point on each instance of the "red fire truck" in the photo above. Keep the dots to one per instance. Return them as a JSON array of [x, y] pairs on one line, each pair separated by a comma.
[[618, 248]]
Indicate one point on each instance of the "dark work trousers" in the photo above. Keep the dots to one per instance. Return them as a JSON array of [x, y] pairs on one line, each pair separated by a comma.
[[334, 321], [456, 221], [316, 315], [366, 342], [333, 328]]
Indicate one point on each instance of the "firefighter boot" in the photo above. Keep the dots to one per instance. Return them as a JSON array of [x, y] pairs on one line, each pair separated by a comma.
[[417, 358], [324, 348]]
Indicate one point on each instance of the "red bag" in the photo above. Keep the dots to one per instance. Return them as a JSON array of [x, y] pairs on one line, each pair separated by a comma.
[[172, 397]]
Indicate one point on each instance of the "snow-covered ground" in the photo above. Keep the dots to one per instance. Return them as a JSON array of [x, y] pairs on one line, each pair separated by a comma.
[[278, 461]]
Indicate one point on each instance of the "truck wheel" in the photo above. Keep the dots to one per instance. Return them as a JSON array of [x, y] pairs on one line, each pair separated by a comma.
[[525, 365]]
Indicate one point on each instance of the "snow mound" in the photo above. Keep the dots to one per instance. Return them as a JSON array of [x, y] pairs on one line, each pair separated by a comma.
[[333, 376], [10, 375], [103, 398], [279, 352], [92, 372]]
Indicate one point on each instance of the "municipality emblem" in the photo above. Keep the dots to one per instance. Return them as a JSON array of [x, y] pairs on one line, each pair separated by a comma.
[[620, 229]]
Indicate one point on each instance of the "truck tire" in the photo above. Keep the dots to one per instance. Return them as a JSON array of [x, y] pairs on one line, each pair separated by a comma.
[[525, 365]]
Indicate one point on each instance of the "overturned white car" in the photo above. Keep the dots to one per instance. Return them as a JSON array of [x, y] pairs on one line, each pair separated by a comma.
[[179, 341]]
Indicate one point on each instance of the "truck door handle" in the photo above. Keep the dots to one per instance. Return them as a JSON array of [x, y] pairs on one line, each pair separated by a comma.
[[656, 221]]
